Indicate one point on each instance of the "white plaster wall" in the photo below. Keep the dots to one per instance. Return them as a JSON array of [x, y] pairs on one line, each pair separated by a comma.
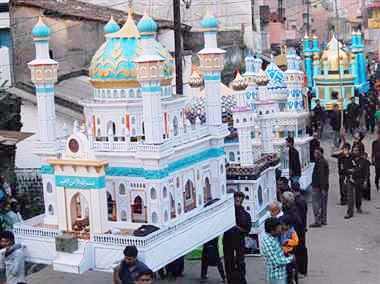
[[29, 118], [5, 67]]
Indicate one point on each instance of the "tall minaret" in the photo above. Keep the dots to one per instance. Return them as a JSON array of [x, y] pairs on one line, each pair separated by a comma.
[[357, 47], [44, 76], [149, 74], [294, 81], [250, 71], [308, 54], [212, 63]]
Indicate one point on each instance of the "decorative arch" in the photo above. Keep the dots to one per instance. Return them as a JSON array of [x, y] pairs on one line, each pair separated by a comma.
[[111, 128], [207, 190], [138, 210], [123, 215], [189, 196], [80, 213], [172, 206], [111, 207], [49, 188], [153, 193], [154, 218]]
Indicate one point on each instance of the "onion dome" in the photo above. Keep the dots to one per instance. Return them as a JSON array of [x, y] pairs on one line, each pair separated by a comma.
[[276, 77], [113, 65], [147, 25], [262, 78], [239, 83], [41, 30], [330, 55], [196, 80], [111, 26], [209, 21]]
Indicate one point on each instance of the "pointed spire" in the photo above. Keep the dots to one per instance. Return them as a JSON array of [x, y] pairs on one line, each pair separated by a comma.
[[129, 29]]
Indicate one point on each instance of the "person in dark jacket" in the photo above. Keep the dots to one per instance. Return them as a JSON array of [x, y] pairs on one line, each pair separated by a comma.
[[233, 243], [301, 250], [319, 117], [320, 185], [344, 163], [130, 267], [292, 211], [358, 175], [294, 163], [352, 113], [211, 257], [314, 144], [358, 142], [376, 159], [367, 182], [335, 122]]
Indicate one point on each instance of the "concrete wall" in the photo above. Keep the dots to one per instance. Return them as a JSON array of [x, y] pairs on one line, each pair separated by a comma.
[[73, 42]]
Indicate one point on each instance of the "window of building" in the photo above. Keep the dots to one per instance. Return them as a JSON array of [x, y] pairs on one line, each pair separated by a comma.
[[232, 156], [49, 188], [122, 189], [123, 215], [153, 193], [51, 209], [164, 192], [154, 218]]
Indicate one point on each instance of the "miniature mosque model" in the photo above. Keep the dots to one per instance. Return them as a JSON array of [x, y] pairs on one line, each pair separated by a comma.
[[136, 160], [262, 109], [336, 63]]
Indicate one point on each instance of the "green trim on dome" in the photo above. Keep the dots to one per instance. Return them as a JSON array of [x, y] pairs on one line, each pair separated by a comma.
[[41, 30]]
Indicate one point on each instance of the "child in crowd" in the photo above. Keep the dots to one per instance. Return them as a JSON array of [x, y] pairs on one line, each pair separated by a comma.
[[289, 241], [14, 259]]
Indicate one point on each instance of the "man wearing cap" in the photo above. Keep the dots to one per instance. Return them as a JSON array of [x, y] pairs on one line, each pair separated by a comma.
[[233, 243], [294, 163], [130, 267]]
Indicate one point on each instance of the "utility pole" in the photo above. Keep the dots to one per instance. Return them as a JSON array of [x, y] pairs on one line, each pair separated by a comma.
[[308, 17], [178, 46], [341, 98]]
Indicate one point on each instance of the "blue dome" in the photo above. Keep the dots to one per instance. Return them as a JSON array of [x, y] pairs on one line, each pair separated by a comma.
[[111, 27], [209, 22], [41, 29], [147, 25], [276, 77]]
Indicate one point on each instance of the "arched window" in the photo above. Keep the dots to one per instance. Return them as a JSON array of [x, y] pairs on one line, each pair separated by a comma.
[[164, 192], [207, 190], [260, 195], [189, 196], [232, 156], [177, 182], [122, 189], [99, 133], [138, 205], [179, 208], [51, 209], [154, 218], [49, 188], [153, 193], [166, 216], [123, 215], [175, 126], [111, 128], [172, 206], [221, 168]]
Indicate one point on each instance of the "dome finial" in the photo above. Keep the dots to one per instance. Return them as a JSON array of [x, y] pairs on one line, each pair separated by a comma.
[[147, 26], [111, 26], [209, 21], [41, 30], [129, 29]]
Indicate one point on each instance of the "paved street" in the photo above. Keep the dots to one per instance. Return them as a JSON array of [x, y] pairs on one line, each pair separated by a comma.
[[343, 252]]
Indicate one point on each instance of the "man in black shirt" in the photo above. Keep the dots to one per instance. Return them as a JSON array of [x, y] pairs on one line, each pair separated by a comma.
[[344, 163], [335, 122], [352, 113], [376, 158], [233, 243], [294, 163], [319, 117], [320, 185], [313, 145]]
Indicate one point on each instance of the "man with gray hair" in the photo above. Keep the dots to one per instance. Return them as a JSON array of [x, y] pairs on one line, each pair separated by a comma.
[[275, 209]]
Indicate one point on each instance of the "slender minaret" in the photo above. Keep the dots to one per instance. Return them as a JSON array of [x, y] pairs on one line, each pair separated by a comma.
[[265, 114], [308, 54], [44, 76], [359, 65], [149, 74], [250, 71], [294, 82], [212, 63]]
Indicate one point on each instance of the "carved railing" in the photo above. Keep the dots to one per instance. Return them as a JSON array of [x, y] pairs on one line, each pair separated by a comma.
[[191, 219]]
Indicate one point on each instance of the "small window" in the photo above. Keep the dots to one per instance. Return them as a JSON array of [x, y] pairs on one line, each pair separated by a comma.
[[122, 189], [177, 182], [49, 188], [221, 168], [179, 208], [123, 215], [166, 216], [51, 209], [165, 192], [232, 156], [246, 189], [154, 218], [153, 193]]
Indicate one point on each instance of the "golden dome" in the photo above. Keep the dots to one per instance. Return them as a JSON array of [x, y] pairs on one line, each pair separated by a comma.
[[330, 55], [262, 78], [239, 83], [196, 80]]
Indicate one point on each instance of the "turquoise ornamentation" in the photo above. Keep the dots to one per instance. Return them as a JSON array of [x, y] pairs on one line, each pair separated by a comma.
[[47, 170], [41, 30], [147, 25], [212, 77], [45, 90], [209, 22], [76, 182], [172, 167]]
